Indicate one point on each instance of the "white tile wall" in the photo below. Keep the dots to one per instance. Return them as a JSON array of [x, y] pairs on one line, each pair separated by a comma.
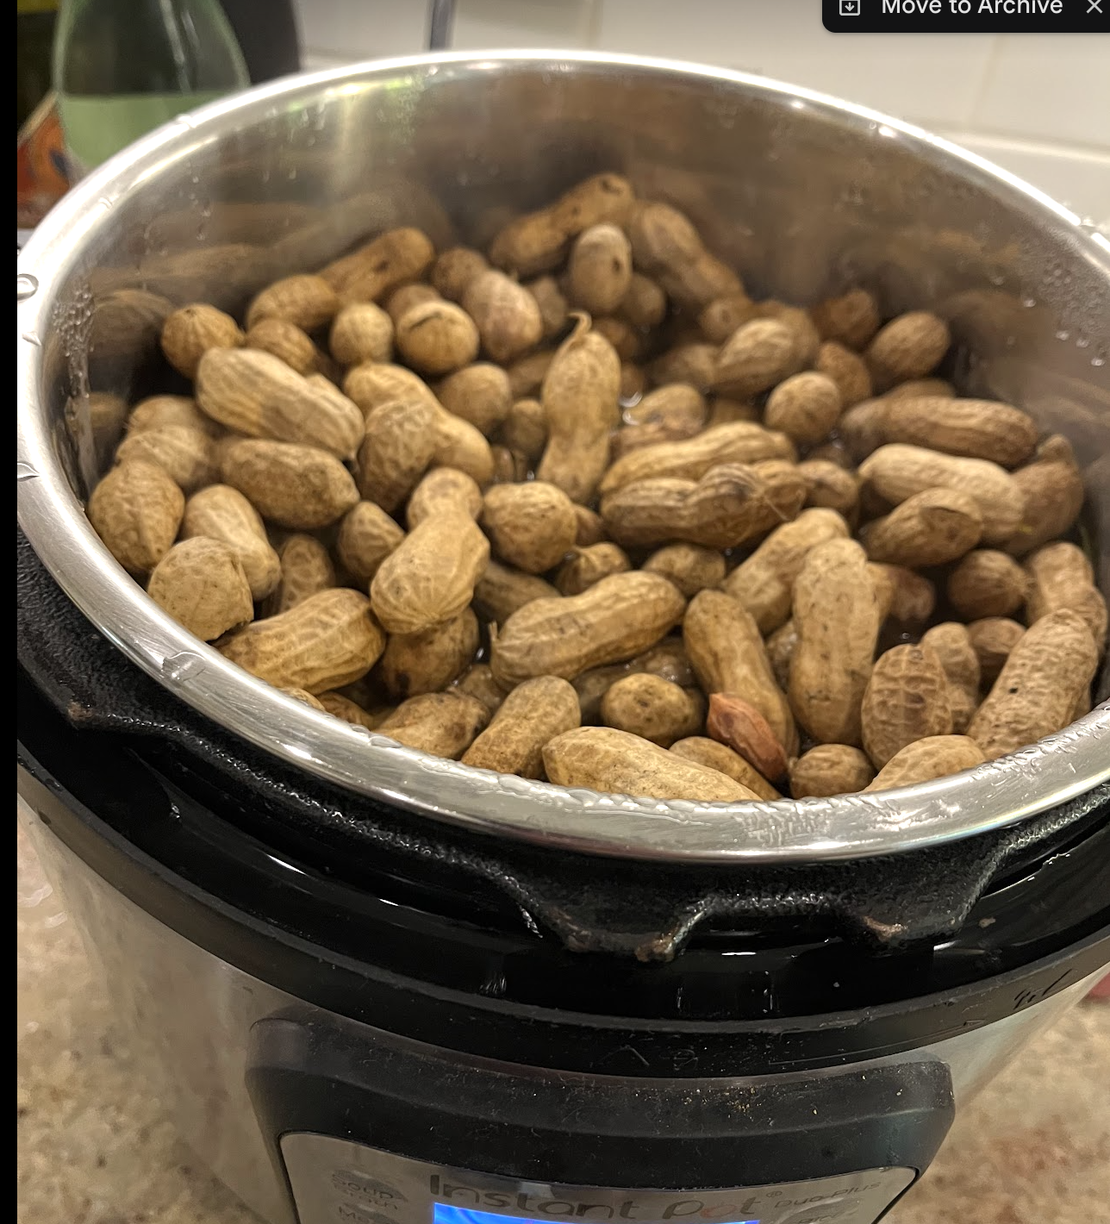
[[1038, 105]]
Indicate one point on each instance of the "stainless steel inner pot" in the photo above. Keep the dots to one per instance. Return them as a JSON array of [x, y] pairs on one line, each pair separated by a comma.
[[804, 194]]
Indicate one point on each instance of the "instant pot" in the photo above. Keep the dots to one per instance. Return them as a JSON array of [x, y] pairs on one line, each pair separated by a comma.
[[380, 987]]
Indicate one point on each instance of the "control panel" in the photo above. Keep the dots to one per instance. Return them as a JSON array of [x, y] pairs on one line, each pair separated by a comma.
[[335, 1181]]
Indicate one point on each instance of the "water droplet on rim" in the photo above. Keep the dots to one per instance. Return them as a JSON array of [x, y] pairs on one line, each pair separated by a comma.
[[24, 471], [26, 286], [182, 666], [31, 338]]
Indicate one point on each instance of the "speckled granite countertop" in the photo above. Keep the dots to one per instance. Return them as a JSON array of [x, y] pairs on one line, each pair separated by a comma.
[[94, 1147]]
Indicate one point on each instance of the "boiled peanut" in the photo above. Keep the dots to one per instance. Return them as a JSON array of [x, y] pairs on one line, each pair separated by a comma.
[[444, 491], [764, 582], [1052, 496], [917, 388], [339, 706], [477, 681], [612, 621], [201, 584], [425, 662], [501, 590], [740, 725], [190, 332], [694, 364], [906, 699], [910, 346], [727, 654], [852, 318], [667, 246], [847, 369], [170, 411], [807, 339], [830, 769], [328, 640], [524, 429], [508, 466], [934, 757], [367, 535], [830, 487], [375, 383], [300, 695], [653, 708], [553, 305], [603, 759], [223, 513], [526, 375], [1060, 576], [930, 528], [256, 394], [904, 595], [407, 297], [536, 242], [396, 449], [579, 398], [530, 525], [441, 724], [506, 315], [729, 506], [453, 271], [391, 259], [987, 582], [599, 270], [136, 510], [992, 639], [587, 566], [186, 455], [725, 315], [863, 427], [306, 301], [957, 656], [804, 406], [756, 357], [712, 755], [295, 486], [430, 576], [836, 614], [644, 305], [689, 566], [897, 472], [436, 337], [286, 342], [780, 650], [741, 442], [361, 332], [305, 567], [976, 429], [478, 393], [1046, 673], [667, 414], [532, 715]]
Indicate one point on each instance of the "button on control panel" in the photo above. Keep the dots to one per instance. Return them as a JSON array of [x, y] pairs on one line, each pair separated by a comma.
[[335, 1181]]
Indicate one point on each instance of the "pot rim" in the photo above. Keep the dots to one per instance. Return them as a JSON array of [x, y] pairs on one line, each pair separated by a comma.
[[991, 796]]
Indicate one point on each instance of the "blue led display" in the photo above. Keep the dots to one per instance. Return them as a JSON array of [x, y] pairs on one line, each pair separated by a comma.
[[446, 1214]]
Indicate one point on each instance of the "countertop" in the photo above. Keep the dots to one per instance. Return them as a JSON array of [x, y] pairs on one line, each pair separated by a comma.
[[95, 1147]]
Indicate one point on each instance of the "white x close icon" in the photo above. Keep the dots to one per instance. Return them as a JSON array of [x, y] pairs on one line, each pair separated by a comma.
[[1094, 6]]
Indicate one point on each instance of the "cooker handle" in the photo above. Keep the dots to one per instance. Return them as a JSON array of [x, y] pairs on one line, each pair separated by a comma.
[[842, 1144]]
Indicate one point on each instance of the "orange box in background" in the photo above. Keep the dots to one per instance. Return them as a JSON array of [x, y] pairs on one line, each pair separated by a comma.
[[41, 178]]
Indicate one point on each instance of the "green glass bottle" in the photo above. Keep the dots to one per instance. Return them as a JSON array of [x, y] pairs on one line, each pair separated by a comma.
[[124, 67], [34, 35]]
